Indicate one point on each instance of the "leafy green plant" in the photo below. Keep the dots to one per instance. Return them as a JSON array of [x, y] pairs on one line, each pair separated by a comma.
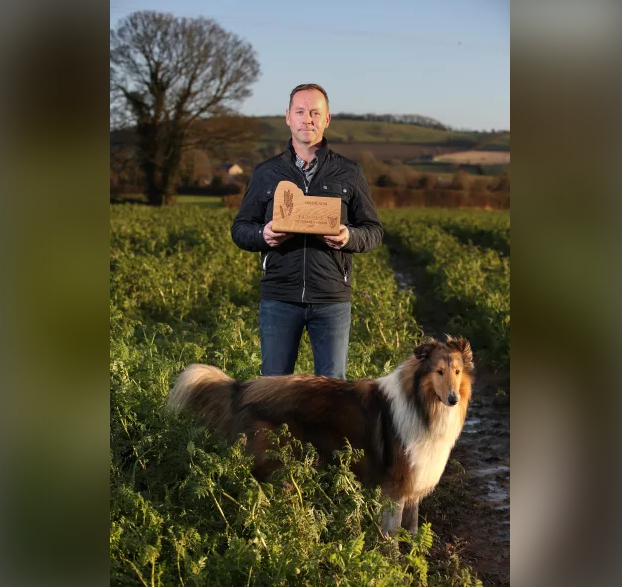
[[185, 508]]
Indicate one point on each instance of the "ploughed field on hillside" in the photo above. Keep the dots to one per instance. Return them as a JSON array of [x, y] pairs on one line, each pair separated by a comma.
[[476, 158], [391, 151], [184, 507]]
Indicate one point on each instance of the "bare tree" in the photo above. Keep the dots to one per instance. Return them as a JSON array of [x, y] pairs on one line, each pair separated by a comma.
[[166, 75]]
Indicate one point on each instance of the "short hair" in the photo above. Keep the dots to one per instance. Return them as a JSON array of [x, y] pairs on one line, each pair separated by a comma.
[[302, 87]]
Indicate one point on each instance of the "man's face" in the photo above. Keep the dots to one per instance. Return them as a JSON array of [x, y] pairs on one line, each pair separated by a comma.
[[308, 117]]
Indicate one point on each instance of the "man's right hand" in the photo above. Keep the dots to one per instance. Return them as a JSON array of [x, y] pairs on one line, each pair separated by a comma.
[[274, 239]]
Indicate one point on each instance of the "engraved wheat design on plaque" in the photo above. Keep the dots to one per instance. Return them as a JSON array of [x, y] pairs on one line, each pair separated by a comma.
[[288, 197]]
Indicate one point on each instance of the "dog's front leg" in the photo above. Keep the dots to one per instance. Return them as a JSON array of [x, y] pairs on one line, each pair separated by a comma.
[[391, 520], [410, 518]]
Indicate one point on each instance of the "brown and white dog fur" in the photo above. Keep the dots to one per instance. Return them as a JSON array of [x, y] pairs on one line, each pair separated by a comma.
[[406, 422]]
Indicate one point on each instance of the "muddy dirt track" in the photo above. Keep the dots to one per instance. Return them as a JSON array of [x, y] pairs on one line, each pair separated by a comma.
[[476, 482]]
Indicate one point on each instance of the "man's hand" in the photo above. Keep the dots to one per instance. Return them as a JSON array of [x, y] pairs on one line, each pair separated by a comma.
[[340, 240], [274, 239]]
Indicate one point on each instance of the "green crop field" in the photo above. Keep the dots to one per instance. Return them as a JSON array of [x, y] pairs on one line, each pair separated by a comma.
[[203, 201], [466, 255], [185, 509]]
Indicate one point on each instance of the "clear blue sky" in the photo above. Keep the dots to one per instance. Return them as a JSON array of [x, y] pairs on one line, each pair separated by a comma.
[[448, 59]]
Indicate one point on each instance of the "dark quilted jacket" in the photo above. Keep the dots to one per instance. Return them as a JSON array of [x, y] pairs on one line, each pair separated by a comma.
[[304, 268]]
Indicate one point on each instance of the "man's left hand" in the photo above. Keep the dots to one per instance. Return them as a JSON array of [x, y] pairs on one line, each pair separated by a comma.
[[340, 240]]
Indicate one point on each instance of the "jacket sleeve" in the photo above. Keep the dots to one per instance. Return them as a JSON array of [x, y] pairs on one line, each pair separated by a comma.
[[364, 226], [248, 225]]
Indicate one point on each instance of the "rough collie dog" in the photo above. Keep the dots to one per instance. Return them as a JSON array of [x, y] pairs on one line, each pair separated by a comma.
[[406, 422]]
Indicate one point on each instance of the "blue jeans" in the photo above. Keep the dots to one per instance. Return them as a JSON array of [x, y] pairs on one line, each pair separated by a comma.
[[280, 328]]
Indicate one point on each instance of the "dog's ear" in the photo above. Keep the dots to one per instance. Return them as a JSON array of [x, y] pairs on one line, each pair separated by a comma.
[[423, 351], [464, 346]]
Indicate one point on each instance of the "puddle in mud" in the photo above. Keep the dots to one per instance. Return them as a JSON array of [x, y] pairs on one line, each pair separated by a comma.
[[404, 281], [495, 476], [497, 494], [471, 426], [490, 471]]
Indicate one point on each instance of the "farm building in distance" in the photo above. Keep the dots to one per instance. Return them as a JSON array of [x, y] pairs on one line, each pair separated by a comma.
[[231, 170]]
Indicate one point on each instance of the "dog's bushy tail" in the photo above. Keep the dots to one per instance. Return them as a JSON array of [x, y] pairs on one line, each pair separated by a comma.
[[206, 391]]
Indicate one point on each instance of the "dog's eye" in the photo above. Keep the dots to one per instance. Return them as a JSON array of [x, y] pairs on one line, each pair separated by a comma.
[[440, 371], [457, 371]]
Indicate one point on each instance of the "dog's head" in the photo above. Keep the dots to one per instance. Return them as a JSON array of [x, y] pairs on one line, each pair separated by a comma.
[[445, 369]]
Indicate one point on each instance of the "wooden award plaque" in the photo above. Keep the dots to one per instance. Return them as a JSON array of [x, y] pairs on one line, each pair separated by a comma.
[[295, 212]]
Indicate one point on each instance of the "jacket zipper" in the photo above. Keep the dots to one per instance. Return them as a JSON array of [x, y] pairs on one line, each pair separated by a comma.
[[265, 261], [304, 246], [345, 270]]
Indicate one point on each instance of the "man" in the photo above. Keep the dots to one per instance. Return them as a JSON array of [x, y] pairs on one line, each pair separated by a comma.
[[306, 278]]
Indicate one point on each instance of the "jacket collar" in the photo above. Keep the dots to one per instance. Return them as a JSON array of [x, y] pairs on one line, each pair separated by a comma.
[[290, 154]]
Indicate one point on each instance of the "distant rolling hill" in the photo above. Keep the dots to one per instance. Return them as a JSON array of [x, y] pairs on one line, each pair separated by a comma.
[[363, 131], [387, 141]]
